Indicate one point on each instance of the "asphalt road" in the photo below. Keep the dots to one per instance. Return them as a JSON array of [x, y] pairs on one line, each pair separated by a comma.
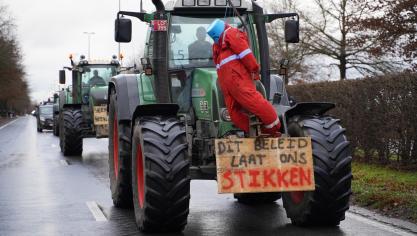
[[44, 193]]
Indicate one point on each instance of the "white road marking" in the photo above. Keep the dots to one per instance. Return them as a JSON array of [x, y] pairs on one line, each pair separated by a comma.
[[379, 225], [11, 122], [95, 210], [64, 162]]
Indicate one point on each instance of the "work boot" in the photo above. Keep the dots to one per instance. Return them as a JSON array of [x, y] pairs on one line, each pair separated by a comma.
[[274, 132]]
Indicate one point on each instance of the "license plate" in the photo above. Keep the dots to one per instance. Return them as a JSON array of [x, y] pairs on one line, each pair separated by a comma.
[[160, 25], [252, 165]]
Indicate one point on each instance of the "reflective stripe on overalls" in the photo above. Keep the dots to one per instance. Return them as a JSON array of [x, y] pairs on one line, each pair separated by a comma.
[[232, 57]]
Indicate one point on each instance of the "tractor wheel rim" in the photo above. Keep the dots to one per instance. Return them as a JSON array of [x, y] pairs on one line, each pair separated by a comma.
[[140, 176], [115, 146], [297, 197]]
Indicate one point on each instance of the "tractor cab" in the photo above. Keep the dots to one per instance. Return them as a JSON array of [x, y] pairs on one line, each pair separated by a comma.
[[179, 48], [90, 77]]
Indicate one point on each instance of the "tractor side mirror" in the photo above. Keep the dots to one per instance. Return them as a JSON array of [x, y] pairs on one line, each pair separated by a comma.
[[123, 30], [292, 31], [62, 76]]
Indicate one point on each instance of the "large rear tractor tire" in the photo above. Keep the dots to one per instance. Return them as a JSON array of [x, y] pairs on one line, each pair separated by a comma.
[[119, 157], [71, 135], [160, 174], [257, 198], [327, 204]]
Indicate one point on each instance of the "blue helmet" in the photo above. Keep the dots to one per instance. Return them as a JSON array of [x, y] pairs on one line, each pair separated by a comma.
[[216, 29]]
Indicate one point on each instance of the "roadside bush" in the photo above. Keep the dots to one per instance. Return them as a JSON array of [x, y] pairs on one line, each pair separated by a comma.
[[379, 114]]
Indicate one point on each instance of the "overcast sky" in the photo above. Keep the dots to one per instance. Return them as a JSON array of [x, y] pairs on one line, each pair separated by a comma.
[[50, 30]]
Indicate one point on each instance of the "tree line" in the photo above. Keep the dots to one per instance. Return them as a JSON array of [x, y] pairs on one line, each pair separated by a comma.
[[14, 90], [355, 38]]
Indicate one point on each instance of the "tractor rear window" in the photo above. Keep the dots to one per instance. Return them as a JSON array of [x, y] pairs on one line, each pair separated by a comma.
[[45, 110], [190, 46], [97, 75]]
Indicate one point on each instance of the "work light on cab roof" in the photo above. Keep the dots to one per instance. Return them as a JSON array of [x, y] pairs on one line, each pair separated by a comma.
[[208, 3], [112, 61]]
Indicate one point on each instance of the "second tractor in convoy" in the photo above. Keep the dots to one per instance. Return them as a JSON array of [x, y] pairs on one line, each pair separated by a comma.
[[82, 106]]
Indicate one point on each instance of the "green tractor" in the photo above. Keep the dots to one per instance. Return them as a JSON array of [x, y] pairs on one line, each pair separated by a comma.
[[82, 106], [165, 120]]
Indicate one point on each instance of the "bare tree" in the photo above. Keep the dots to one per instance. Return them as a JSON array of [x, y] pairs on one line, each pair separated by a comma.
[[331, 32], [395, 27], [14, 91], [296, 53]]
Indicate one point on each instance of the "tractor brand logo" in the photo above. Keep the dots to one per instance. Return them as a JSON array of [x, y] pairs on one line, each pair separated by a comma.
[[204, 107]]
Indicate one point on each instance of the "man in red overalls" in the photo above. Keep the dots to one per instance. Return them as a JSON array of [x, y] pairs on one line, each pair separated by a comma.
[[237, 68]]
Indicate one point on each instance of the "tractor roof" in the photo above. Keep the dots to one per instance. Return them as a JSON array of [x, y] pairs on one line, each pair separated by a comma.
[[245, 5], [97, 62], [84, 62]]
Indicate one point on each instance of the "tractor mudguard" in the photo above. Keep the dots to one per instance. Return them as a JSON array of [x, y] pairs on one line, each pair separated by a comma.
[[157, 109], [75, 106], [309, 108], [165, 109], [126, 87]]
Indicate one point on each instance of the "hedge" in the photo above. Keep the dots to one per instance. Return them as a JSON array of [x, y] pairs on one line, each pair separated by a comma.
[[379, 114]]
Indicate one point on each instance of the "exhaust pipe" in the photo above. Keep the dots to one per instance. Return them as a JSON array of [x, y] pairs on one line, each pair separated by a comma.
[[160, 59], [159, 5]]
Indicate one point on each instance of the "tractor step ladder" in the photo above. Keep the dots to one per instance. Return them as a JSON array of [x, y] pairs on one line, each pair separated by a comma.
[[254, 126]]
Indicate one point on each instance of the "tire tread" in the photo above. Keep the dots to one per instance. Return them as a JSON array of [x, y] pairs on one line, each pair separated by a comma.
[[332, 170], [167, 184]]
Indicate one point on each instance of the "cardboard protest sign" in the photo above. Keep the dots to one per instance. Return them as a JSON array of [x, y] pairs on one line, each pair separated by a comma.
[[100, 115], [264, 165]]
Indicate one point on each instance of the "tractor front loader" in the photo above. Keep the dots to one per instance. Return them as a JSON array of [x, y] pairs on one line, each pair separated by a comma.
[[169, 125]]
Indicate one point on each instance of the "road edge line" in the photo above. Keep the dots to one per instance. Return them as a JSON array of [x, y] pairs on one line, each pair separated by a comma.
[[96, 211], [9, 123]]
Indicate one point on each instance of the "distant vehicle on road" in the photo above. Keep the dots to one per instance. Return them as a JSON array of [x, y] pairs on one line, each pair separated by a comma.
[[44, 116], [56, 114]]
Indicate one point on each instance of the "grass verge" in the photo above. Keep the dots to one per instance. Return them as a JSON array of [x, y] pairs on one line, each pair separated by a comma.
[[391, 192]]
